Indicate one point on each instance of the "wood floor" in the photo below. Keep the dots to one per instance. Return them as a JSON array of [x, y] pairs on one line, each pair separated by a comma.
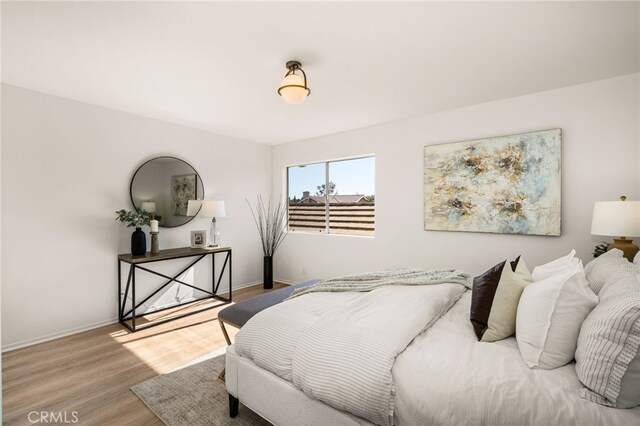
[[91, 372]]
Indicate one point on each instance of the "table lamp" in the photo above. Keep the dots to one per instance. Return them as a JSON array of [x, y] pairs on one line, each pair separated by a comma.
[[149, 206], [213, 209], [193, 207], [618, 219]]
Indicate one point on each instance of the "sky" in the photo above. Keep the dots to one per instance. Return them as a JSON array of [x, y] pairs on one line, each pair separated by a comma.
[[350, 176]]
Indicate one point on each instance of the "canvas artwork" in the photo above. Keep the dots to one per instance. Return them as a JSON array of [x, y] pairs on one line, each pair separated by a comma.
[[183, 189], [507, 184]]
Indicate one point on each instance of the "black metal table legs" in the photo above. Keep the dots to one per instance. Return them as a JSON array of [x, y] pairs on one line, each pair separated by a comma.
[[125, 316]]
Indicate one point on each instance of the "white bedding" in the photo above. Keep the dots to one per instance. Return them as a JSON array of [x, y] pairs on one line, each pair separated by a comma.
[[447, 377], [340, 347]]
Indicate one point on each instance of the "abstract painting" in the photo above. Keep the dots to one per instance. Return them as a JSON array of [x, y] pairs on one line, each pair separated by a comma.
[[507, 184], [183, 189]]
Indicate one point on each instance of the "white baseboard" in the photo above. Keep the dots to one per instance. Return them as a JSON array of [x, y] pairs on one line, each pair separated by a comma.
[[287, 282], [80, 329], [57, 335]]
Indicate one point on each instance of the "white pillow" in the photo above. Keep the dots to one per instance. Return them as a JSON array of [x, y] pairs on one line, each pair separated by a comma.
[[607, 269], [636, 259], [549, 317], [555, 266], [504, 307]]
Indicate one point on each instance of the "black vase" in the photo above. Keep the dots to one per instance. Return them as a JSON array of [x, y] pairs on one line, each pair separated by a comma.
[[138, 242], [267, 279]]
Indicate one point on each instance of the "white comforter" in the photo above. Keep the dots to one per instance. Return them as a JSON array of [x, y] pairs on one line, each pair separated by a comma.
[[447, 377], [340, 347]]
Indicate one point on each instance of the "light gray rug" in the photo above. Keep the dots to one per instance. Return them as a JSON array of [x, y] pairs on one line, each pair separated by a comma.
[[194, 396]]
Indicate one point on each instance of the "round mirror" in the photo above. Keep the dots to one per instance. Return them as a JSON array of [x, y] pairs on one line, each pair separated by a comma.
[[163, 186]]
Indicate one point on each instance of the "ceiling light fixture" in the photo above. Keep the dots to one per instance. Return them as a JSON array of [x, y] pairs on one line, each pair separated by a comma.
[[293, 88]]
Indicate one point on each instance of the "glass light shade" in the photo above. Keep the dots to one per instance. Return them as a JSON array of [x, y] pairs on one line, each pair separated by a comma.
[[149, 206], [293, 95], [616, 218], [212, 208]]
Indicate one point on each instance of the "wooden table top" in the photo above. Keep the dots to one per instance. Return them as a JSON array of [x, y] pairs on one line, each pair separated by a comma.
[[174, 253]]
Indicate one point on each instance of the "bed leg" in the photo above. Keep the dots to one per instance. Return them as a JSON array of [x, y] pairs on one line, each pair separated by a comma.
[[233, 406], [224, 332]]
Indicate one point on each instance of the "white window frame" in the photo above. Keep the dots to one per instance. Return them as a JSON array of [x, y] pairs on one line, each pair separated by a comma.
[[326, 195]]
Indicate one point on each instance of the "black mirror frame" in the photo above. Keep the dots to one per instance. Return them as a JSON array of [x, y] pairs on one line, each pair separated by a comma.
[[174, 158]]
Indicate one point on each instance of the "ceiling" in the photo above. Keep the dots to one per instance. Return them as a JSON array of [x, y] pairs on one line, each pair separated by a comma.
[[216, 66]]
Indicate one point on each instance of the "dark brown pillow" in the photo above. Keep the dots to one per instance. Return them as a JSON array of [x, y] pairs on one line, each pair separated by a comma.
[[484, 290]]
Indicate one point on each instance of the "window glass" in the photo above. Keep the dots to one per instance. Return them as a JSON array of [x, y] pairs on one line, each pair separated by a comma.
[[307, 210], [352, 196], [343, 191]]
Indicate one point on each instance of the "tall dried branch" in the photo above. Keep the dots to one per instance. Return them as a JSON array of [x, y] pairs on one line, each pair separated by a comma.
[[271, 222]]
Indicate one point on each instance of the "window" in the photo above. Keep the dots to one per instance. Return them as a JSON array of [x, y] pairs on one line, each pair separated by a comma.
[[334, 197]]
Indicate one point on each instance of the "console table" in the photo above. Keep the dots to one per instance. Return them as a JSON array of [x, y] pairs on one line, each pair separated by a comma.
[[136, 262]]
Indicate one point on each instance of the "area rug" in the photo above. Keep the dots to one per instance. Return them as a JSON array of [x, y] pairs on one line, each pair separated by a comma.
[[194, 396]]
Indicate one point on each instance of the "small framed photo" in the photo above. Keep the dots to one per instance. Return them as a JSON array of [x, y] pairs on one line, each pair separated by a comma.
[[198, 239]]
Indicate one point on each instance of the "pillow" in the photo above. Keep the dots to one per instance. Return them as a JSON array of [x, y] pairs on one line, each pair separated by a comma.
[[549, 317], [629, 395], [607, 359], [609, 268], [636, 259], [494, 300], [555, 266]]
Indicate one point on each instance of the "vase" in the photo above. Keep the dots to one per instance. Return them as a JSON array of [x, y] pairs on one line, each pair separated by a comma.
[[138, 242], [267, 278]]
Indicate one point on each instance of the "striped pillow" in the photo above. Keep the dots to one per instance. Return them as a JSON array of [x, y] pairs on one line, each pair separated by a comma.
[[607, 357], [607, 269]]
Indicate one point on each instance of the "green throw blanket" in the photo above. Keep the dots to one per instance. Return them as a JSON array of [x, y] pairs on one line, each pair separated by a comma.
[[372, 280]]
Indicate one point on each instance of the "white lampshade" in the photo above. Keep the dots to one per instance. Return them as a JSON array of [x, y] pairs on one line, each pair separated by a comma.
[[616, 218], [295, 91], [212, 208], [149, 206], [193, 206]]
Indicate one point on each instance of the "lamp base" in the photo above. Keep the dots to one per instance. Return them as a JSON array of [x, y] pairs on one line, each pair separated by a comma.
[[626, 246]]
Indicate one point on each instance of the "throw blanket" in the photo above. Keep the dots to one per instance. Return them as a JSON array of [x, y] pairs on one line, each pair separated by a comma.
[[372, 280], [340, 347]]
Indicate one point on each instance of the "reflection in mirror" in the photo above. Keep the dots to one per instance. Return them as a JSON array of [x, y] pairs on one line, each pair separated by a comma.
[[163, 186]]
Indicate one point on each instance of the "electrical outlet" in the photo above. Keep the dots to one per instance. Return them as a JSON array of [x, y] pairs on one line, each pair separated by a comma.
[[304, 270]]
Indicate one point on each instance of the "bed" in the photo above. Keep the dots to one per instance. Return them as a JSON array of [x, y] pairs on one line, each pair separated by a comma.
[[444, 376]]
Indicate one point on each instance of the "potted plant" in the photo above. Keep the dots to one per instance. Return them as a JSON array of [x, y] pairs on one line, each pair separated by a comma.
[[600, 249], [136, 219], [271, 221]]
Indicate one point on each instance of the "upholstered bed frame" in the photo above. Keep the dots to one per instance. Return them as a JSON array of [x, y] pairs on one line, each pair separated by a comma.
[[275, 399]]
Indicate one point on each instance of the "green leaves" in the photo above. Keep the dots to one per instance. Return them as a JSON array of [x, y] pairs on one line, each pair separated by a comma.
[[134, 219], [600, 249]]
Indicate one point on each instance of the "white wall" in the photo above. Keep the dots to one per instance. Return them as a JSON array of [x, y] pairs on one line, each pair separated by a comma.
[[0, 222], [66, 169], [601, 147]]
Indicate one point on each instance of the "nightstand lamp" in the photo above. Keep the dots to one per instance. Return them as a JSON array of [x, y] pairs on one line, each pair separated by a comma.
[[618, 219], [213, 209]]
